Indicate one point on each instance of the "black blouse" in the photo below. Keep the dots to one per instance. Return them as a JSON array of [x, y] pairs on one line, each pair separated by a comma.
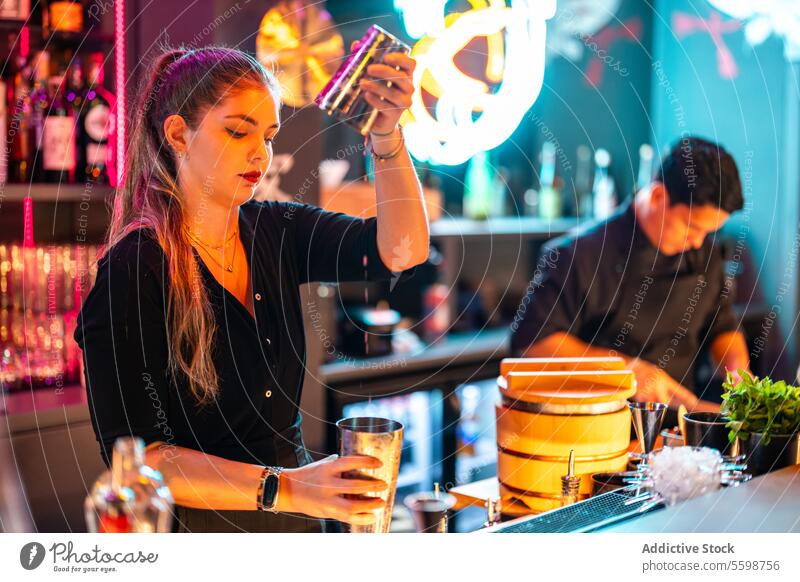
[[260, 363]]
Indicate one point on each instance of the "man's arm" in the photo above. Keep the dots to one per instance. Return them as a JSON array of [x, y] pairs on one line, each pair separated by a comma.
[[728, 347], [557, 301], [729, 351], [565, 345], [653, 384]]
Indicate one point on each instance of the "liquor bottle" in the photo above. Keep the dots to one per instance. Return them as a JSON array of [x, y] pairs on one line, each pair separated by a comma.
[[76, 98], [15, 9], [498, 202], [604, 193], [531, 199], [96, 123], [131, 497], [58, 135], [469, 426], [549, 196], [76, 87], [436, 319], [583, 182], [62, 32], [20, 134], [40, 100], [36, 14], [478, 187], [645, 174]]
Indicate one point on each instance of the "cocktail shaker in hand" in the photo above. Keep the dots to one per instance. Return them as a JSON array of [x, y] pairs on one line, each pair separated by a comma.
[[380, 438], [343, 97]]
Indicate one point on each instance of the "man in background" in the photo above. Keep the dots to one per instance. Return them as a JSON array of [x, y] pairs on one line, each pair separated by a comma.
[[647, 284]]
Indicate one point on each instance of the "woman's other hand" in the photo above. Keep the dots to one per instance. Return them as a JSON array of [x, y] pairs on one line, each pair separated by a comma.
[[318, 490]]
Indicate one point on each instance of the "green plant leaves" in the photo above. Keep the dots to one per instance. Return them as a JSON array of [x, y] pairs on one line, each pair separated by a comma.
[[759, 405]]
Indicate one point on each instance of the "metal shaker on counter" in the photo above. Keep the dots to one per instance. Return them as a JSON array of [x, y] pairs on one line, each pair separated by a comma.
[[429, 510], [380, 438], [342, 98]]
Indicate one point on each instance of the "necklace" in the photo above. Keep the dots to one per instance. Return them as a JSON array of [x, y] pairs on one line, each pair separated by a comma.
[[216, 248], [207, 248]]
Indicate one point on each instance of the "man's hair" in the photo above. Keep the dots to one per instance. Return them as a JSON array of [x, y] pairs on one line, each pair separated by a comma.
[[698, 172]]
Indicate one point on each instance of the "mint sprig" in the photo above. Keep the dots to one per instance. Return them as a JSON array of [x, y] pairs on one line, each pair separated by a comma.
[[759, 405]]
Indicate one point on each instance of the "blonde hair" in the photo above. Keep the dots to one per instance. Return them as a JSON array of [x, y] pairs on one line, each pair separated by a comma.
[[184, 82]]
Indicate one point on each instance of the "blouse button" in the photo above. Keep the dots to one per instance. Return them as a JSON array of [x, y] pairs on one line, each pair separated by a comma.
[[268, 393], [258, 296]]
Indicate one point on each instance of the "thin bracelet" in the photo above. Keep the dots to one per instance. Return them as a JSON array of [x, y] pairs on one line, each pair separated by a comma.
[[392, 154], [384, 134]]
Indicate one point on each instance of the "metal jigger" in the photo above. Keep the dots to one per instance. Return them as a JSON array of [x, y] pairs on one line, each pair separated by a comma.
[[380, 438], [647, 418], [429, 510]]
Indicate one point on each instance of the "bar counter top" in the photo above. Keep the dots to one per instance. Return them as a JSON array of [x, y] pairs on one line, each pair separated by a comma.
[[766, 504]]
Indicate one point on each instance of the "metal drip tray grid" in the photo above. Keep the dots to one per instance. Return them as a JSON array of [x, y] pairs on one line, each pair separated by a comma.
[[593, 513]]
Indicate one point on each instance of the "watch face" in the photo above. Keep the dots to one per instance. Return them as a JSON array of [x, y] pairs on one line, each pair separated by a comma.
[[270, 491]]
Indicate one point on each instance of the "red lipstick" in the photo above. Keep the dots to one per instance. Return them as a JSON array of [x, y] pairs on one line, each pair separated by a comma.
[[252, 177]]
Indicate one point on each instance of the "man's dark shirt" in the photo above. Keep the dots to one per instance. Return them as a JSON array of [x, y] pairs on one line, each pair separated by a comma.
[[609, 286], [260, 363]]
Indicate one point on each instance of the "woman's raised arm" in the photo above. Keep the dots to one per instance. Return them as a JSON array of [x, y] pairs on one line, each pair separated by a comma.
[[403, 231]]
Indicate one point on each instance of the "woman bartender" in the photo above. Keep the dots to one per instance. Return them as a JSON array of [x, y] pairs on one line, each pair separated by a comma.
[[192, 335]]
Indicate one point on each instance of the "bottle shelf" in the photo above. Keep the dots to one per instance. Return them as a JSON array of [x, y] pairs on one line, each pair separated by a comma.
[[45, 192], [524, 227], [14, 24]]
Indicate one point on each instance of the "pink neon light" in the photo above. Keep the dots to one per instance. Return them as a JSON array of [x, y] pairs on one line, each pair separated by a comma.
[[27, 222], [24, 42], [686, 24], [119, 85], [627, 31]]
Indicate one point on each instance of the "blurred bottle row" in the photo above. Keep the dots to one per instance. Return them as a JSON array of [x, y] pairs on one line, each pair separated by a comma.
[[41, 291], [591, 191], [55, 111]]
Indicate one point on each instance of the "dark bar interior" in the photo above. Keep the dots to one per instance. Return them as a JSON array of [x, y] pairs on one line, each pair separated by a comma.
[[544, 254]]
